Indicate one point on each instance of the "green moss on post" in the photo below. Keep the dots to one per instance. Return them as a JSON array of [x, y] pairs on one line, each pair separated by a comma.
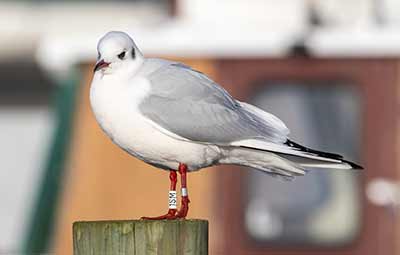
[[141, 237]]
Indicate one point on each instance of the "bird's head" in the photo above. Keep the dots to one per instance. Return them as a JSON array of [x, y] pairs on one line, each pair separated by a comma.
[[117, 51]]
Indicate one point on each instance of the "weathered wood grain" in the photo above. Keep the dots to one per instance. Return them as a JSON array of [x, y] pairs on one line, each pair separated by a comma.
[[141, 237]]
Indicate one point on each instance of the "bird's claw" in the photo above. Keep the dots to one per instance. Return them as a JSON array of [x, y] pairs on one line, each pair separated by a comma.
[[171, 215]]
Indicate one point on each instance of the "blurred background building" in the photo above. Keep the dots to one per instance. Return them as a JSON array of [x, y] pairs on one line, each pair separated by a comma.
[[329, 68]]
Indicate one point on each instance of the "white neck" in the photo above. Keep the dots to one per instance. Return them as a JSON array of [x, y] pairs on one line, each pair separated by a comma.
[[132, 66]]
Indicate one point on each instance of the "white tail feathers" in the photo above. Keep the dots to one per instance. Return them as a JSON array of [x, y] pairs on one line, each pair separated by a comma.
[[289, 159], [261, 160]]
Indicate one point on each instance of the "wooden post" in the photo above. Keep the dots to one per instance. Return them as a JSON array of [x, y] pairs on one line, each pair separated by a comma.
[[141, 237]]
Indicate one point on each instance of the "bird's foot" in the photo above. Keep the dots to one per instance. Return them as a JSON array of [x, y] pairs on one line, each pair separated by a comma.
[[171, 215], [182, 213]]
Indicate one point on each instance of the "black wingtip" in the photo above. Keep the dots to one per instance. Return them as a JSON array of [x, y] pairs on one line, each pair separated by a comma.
[[353, 165], [322, 154], [300, 147]]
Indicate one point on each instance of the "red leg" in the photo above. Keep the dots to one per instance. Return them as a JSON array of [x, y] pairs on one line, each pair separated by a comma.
[[172, 200], [184, 194]]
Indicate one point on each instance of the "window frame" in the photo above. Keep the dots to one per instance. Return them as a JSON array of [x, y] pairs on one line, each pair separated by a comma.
[[377, 81]]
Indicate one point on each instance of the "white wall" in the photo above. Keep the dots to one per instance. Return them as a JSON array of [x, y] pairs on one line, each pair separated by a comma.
[[25, 134]]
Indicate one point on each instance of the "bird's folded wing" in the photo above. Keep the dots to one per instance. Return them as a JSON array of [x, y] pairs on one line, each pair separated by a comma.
[[190, 105]]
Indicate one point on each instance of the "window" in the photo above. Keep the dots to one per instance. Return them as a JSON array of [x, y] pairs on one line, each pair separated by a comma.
[[322, 208]]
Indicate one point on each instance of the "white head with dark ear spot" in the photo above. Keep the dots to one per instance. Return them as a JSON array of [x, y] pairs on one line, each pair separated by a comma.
[[117, 51]]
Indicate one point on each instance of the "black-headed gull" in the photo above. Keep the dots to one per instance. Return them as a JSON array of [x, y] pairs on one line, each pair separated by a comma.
[[176, 118]]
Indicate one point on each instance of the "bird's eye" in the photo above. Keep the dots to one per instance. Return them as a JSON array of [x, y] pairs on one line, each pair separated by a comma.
[[121, 55]]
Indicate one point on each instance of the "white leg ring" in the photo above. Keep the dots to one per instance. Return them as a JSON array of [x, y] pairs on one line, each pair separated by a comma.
[[172, 201], [184, 192]]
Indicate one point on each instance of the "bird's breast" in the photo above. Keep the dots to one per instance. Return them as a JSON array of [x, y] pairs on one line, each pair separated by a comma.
[[115, 107]]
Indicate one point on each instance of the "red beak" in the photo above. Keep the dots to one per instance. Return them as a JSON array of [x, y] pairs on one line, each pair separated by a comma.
[[100, 64]]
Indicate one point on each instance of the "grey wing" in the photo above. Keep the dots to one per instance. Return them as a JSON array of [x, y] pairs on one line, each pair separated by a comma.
[[189, 104]]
